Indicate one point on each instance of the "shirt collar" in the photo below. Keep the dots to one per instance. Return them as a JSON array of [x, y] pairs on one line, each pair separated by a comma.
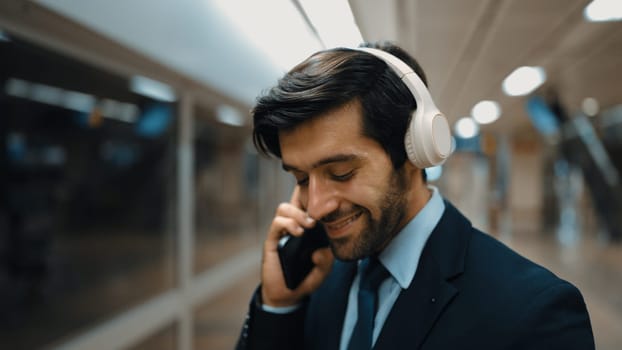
[[401, 256]]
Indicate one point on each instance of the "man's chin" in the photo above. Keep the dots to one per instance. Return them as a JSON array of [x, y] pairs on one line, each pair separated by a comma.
[[342, 249]]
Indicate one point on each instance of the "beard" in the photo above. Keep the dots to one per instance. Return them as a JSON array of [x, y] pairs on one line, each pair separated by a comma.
[[377, 232]]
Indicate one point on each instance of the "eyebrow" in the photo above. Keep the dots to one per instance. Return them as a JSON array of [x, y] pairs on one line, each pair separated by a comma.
[[338, 158]]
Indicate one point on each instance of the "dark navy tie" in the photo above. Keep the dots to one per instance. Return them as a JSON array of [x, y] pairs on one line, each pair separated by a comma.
[[373, 273]]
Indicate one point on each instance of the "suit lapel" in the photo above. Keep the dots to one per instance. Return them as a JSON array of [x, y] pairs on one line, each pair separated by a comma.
[[420, 305], [417, 308]]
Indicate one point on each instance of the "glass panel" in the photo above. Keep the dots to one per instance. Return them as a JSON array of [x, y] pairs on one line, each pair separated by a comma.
[[237, 190], [226, 187], [87, 196]]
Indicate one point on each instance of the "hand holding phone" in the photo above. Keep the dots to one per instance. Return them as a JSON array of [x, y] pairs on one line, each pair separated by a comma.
[[295, 254]]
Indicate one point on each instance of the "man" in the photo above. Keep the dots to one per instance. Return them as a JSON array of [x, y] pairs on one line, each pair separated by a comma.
[[339, 122]]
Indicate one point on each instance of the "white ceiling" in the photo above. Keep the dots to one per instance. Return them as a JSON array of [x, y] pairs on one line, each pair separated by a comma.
[[466, 47], [189, 36]]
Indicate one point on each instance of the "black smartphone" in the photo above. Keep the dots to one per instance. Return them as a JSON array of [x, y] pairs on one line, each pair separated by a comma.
[[295, 254]]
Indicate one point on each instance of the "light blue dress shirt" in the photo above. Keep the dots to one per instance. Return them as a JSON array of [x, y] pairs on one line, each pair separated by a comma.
[[400, 258]]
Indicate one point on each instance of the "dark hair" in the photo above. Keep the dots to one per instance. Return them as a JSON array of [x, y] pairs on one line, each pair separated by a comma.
[[330, 79]]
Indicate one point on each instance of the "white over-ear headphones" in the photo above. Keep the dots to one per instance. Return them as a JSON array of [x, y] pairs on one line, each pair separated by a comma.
[[428, 138]]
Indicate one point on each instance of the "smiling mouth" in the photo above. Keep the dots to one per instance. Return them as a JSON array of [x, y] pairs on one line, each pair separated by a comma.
[[342, 223]]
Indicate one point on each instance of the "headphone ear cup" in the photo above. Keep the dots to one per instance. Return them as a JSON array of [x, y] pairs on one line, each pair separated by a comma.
[[428, 139], [410, 147]]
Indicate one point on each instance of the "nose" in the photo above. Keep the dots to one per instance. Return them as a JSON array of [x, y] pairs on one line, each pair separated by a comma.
[[322, 198]]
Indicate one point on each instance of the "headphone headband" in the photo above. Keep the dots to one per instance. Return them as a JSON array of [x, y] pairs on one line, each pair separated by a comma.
[[428, 138]]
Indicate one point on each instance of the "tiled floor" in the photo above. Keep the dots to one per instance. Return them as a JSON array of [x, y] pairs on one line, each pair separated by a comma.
[[593, 266]]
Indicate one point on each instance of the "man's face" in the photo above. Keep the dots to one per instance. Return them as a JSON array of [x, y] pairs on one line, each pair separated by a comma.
[[347, 182]]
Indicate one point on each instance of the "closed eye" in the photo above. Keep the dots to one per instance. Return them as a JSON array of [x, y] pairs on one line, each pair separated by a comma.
[[343, 177]]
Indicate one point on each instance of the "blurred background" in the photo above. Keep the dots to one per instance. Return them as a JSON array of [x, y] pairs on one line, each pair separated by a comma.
[[133, 204]]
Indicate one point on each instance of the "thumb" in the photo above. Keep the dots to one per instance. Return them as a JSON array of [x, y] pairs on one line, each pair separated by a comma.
[[323, 259]]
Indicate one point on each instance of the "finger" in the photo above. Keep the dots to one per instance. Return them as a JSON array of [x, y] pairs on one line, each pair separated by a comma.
[[291, 211], [323, 258], [313, 281], [288, 219], [283, 225], [280, 227]]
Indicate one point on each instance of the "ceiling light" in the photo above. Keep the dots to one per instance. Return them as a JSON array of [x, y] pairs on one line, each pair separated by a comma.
[[523, 80], [4, 36], [286, 41], [46, 94], [590, 106], [17, 87], [466, 128], [603, 10], [152, 89], [485, 112], [229, 115], [79, 101]]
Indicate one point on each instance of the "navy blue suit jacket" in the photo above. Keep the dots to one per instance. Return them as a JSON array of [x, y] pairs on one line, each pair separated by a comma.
[[469, 292]]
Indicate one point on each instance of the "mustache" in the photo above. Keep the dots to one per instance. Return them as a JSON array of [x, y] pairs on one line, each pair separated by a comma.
[[338, 214]]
